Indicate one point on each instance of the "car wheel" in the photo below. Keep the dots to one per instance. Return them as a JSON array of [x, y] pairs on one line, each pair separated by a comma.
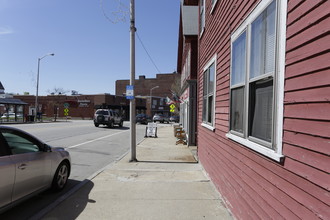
[[121, 124], [110, 124], [96, 125], [61, 176]]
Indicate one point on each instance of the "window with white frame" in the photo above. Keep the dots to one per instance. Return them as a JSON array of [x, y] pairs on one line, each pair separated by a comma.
[[202, 15], [209, 93], [186, 68], [183, 75], [255, 80], [213, 4], [188, 63]]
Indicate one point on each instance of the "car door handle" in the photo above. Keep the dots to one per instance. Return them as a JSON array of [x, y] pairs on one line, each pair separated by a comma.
[[22, 166]]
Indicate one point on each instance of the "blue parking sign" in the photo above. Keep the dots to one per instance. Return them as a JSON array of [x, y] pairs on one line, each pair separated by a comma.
[[129, 92]]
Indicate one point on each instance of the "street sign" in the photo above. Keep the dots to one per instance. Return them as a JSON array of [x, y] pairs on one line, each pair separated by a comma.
[[66, 112], [66, 105], [129, 92], [172, 108]]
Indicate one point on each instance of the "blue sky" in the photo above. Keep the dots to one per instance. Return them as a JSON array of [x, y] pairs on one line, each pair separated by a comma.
[[91, 52]]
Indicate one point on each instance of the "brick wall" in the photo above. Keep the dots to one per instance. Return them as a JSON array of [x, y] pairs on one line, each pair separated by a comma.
[[143, 85]]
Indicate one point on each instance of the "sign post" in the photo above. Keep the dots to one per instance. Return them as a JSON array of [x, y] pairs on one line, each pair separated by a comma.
[[66, 110]]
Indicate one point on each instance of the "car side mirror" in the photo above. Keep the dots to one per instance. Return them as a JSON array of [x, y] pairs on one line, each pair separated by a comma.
[[46, 148]]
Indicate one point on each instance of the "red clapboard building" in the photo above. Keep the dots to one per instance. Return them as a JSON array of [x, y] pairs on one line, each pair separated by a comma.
[[263, 100]]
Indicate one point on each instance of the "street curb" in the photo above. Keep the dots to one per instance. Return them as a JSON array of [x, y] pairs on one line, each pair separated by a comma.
[[58, 201]]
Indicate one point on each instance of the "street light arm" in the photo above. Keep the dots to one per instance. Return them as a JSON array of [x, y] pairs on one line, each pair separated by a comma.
[[50, 54], [154, 88]]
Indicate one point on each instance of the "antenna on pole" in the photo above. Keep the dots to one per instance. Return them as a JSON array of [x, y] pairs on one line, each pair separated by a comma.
[[118, 13]]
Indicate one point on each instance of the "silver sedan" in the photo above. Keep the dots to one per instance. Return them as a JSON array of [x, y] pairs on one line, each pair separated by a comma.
[[29, 166]]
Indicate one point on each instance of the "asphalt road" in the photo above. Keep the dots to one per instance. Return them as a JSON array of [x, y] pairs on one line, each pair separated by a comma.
[[91, 150]]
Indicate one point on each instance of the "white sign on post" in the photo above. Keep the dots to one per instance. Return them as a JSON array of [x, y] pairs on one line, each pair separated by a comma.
[[129, 92], [151, 130]]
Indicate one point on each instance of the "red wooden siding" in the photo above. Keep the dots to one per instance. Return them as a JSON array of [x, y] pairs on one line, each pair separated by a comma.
[[253, 186]]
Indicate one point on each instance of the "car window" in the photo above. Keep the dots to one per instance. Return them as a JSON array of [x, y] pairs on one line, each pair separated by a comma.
[[102, 112], [3, 147], [19, 144]]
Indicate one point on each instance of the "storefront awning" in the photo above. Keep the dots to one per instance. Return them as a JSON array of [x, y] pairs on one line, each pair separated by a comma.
[[10, 101]]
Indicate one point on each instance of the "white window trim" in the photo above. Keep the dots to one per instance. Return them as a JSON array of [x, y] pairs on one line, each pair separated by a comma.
[[208, 126], [202, 32], [276, 154], [202, 28], [257, 147], [213, 60], [213, 6], [282, 19]]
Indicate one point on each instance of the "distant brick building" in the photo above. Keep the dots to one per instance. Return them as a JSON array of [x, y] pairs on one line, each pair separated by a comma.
[[143, 88], [80, 106]]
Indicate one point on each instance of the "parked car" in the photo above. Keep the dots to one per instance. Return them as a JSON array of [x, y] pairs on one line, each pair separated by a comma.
[[161, 118], [166, 120], [107, 117], [10, 116], [29, 166], [143, 119], [175, 118]]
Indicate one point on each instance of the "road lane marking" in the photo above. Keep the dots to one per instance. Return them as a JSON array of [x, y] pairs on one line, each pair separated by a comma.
[[97, 139]]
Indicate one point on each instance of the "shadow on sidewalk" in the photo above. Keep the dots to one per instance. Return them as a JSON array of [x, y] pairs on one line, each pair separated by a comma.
[[73, 206], [39, 205]]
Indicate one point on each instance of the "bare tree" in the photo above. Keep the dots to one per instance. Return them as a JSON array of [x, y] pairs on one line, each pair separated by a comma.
[[57, 91], [74, 92]]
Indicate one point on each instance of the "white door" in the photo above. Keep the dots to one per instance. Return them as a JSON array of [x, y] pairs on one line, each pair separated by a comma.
[[32, 173], [7, 173]]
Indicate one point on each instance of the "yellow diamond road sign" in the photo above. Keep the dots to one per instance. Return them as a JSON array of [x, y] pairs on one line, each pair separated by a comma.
[[172, 106]]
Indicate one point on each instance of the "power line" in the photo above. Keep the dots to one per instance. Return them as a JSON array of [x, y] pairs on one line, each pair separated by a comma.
[[145, 49], [120, 16]]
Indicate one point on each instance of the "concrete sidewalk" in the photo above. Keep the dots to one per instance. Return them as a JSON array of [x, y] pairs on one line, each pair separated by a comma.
[[166, 183]]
